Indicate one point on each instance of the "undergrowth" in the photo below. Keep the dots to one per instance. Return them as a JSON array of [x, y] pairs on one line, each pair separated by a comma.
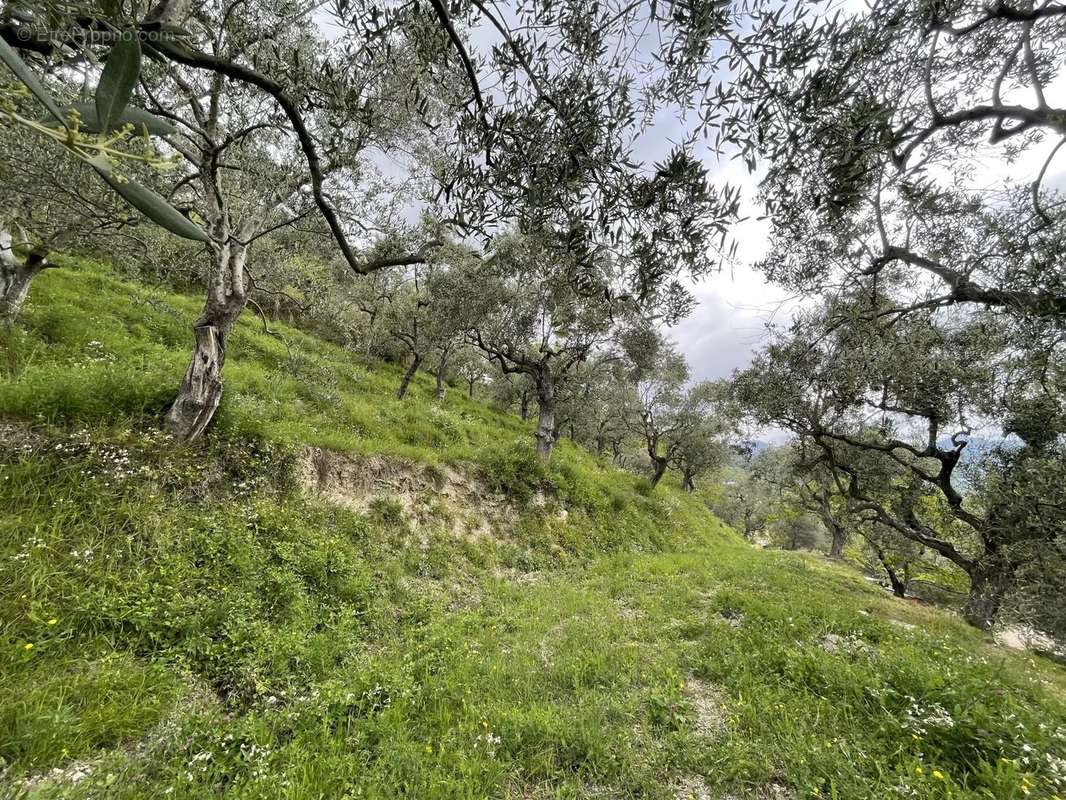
[[186, 622]]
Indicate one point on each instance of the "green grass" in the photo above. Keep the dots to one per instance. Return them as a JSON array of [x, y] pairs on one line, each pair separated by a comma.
[[200, 628]]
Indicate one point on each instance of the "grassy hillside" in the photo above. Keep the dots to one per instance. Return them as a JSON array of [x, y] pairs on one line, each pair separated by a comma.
[[201, 621]]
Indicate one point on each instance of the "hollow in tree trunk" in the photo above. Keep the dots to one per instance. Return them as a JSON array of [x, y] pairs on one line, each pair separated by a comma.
[[412, 368], [201, 388]]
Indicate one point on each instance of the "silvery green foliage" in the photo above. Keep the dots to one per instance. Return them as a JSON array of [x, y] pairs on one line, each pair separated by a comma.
[[87, 131]]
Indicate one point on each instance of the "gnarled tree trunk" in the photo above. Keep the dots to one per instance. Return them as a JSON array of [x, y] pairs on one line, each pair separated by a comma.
[[546, 428], [416, 362], [16, 276], [837, 532], [659, 465], [899, 587], [839, 539], [442, 368], [687, 481], [201, 388], [989, 583]]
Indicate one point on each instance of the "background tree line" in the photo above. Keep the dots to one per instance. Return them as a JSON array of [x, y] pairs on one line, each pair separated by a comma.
[[457, 187]]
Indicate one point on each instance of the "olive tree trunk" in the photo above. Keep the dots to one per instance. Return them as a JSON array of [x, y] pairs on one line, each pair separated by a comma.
[[688, 482], [989, 583], [16, 277], [412, 368], [442, 368], [838, 534], [546, 429], [658, 465], [201, 388], [899, 587]]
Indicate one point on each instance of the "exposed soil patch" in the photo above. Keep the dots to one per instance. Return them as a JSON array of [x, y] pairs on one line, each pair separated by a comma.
[[731, 617], [628, 613], [16, 437], [692, 788], [708, 704], [424, 493], [695, 788]]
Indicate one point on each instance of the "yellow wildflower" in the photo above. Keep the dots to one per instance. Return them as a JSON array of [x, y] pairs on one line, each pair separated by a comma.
[[53, 621], [27, 646], [919, 770], [938, 774]]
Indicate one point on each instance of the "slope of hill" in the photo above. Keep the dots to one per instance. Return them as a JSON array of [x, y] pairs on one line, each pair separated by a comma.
[[341, 595]]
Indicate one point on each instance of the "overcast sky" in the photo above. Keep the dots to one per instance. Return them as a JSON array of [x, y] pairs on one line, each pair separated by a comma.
[[735, 305]]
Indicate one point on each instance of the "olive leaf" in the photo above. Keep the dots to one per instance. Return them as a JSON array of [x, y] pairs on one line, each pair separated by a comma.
[[153, 206], [138, 117], [23, 73], [117, 81]]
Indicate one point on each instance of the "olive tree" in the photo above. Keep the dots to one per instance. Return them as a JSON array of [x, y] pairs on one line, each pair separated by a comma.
[[654, 403], [890, 407], [532, 319], [703, 444], [907, 148], [551, 148], [426, 315], [472, 368]]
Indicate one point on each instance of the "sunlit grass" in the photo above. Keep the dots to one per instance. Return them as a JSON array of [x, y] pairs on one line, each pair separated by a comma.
[[182, 622]]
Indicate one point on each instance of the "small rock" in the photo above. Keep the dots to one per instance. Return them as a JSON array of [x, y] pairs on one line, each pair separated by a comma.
[[1024, 637], [851, 645]]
